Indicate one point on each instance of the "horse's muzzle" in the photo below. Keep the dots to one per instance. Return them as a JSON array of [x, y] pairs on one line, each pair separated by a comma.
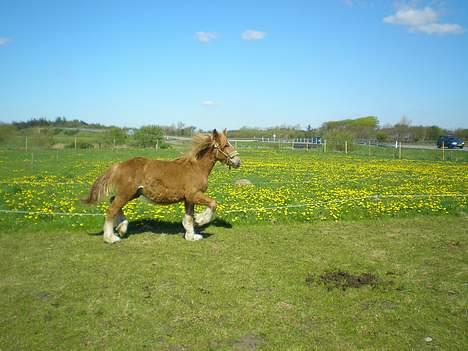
[[234, 162]]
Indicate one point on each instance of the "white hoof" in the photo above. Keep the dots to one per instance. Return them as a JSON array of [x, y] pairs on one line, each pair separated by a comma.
[[122, 228], [204, 217], [193, 237], [110, 239]]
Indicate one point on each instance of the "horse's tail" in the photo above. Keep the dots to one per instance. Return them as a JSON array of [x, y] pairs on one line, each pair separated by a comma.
[[102, 187]]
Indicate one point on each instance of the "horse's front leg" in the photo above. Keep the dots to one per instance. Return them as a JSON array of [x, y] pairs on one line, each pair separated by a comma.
[[204, 217], [188, 222]]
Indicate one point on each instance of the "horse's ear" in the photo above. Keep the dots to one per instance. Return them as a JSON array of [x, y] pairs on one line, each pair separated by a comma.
[[215, 134], [225, 132]]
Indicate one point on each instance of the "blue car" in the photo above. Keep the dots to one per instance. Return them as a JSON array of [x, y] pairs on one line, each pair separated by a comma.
[[450, 142]]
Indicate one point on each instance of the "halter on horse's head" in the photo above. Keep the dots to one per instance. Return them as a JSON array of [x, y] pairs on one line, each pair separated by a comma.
[[224, 151]]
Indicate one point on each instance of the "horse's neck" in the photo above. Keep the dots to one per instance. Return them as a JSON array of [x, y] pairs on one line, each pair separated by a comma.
[[206, 163]]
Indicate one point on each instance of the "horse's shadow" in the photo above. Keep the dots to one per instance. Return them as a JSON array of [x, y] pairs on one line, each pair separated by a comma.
[[159, 227]]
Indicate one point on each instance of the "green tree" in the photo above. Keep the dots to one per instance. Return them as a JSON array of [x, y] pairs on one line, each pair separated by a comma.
[[363, 127], [433, 132], [462, 133], [381, 137], [149, 136], [402, 129], [115, 136]]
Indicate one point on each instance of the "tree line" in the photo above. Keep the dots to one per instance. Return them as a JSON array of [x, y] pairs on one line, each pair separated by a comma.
[[365, 128], [59, 122]]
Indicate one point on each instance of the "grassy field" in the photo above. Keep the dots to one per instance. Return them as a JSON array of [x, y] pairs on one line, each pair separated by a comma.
[[246, 287], [287, 187], [323, 251]]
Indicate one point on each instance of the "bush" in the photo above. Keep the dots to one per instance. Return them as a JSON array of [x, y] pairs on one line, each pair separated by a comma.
[[80, 145], [336, 140], [71, 132], [114, 135], [7, 131]]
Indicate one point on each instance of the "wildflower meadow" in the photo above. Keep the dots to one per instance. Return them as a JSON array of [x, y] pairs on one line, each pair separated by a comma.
[[286, 186]]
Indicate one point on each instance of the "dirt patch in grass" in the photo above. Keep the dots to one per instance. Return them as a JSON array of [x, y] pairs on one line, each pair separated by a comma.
[[343, 280]]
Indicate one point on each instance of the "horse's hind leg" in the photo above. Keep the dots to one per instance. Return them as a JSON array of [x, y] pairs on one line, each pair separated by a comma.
[[112, 215], [120, 221]]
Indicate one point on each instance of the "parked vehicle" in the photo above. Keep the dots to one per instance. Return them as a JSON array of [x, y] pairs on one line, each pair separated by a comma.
[[450, 142]]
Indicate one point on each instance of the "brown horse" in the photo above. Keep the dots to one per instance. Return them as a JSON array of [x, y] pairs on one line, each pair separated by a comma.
[[165, 182]]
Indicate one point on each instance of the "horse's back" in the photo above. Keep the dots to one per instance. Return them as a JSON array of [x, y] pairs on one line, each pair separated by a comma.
[[165, 171], [129, 173], [133, 165]]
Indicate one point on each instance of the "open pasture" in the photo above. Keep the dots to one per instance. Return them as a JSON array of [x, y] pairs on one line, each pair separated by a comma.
[[286, 187], [321, 252]]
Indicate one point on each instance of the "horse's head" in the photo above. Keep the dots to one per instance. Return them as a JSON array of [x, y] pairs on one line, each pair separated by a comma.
[[224, 151]]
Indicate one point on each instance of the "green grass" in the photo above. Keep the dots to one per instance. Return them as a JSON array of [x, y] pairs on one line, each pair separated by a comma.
[[255, 282], [242, 288]]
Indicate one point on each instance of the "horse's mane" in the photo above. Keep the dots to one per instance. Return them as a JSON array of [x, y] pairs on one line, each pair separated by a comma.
[[200, 144]]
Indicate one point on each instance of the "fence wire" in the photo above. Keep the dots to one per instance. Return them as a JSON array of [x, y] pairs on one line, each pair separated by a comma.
[[270, 208]]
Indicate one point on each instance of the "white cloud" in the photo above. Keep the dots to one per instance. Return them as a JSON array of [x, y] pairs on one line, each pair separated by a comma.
[[442, 28], [253, 35], [4, 40], [413, 17], [208, 103], [205, 37], [424, 20]]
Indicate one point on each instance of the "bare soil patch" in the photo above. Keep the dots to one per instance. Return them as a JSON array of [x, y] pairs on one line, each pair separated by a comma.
[[343, 280]]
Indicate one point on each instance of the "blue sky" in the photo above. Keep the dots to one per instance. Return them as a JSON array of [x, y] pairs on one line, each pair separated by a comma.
[[235, 63]]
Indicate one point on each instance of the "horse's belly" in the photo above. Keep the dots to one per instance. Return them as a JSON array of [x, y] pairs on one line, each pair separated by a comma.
[[162, 196], [160, 201]]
